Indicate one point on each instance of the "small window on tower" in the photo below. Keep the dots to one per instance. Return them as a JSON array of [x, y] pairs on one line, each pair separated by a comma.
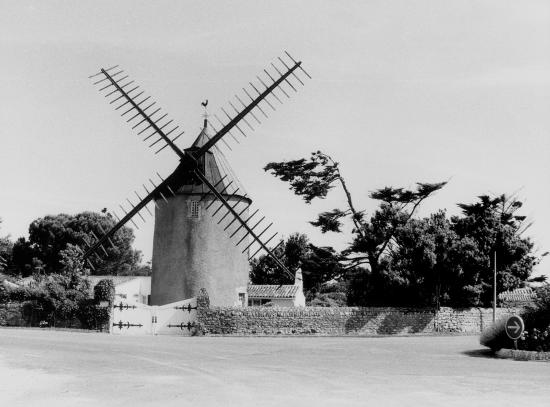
[[194, 209]]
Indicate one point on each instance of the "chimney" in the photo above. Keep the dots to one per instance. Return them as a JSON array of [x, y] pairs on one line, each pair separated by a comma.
[[298, 280]]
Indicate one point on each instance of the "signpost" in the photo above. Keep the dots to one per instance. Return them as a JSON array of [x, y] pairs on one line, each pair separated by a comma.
[[514, 328]]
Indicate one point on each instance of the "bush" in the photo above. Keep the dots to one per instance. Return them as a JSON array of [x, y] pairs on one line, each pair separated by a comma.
[[536, 339], [330, 299], [538, 314], [91, 314], [537, 322], [105, 291], [495, 336]]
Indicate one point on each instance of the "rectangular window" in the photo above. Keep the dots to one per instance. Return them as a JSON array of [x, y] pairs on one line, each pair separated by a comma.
[[194, 209]]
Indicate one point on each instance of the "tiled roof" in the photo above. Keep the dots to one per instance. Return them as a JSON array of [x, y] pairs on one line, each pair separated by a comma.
[[272, 291], [518, 295]]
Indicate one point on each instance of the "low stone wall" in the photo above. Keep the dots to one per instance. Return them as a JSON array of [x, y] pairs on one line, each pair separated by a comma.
[[354, 321], [314, 321], [468, 320], [12, 315]]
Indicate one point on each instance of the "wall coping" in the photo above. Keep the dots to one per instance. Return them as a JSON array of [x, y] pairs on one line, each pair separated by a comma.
[[524, 355]]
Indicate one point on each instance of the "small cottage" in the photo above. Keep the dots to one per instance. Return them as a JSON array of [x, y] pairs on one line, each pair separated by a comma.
[[278, 295]]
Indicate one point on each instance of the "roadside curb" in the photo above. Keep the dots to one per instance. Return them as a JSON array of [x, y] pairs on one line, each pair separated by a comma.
[[36, 328], [524, 355]]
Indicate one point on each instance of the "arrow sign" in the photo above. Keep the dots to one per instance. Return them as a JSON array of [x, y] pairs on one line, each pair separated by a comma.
[[514, 327]]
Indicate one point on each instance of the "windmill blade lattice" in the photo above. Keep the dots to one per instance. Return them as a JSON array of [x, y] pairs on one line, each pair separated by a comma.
[[155, 193], [250, 110], [147, 120], [152, 123]]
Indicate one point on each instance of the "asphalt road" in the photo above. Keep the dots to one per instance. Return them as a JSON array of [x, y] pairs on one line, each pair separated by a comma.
[[53, 368]]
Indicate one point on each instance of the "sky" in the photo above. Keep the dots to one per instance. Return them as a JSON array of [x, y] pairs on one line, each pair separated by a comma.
[[401, 92]]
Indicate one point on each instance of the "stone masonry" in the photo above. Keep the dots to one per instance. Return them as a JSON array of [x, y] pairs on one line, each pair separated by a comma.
[[356, 321]]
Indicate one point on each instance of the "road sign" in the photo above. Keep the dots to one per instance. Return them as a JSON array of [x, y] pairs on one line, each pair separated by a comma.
[[514, 327]]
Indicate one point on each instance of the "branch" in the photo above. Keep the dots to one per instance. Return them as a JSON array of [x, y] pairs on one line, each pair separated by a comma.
[[356, 216], [423, 192]]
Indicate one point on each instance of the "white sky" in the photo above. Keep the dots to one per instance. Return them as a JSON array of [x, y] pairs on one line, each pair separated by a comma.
[[402, 91]]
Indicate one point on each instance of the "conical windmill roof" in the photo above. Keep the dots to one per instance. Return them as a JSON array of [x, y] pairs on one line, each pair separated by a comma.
[[216, 167]]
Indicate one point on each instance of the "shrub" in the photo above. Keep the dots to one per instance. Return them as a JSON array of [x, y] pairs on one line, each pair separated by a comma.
[[91, 314], [105, 291], [536, 339], [537, 322], [538, 314], [330, 299]]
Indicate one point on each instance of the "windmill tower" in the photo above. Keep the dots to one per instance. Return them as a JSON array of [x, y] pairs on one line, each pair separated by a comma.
[[191, 248], [204, 231]]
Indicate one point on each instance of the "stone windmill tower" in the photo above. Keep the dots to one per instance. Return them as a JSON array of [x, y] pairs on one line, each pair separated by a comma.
[[203, 230], [191, 248]]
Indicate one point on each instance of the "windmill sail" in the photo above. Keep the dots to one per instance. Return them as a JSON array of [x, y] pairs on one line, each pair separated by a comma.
[[148, 120], [153, 124], [152, 195]]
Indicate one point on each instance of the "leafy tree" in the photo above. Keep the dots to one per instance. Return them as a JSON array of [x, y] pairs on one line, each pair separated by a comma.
[[422, 268], [50, 235], [319, 264], [291, 253], [492, 225], [438, 261], [57, 296], [331, 294], [6, 249], [374, 238], [24, 257]]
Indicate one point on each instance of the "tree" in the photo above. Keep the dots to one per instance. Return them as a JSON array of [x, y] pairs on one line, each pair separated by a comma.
[[450, 262], [24, 257], [264, 270], [422, 268], [319, 265], [57, 296], [373, 239], [491, 225], [6, 250], [50, 235]]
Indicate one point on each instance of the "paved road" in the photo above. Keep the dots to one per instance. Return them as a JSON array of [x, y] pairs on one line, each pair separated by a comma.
[[53, 368]]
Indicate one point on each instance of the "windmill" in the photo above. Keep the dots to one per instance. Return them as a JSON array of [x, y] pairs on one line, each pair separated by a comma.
[[203, 222]]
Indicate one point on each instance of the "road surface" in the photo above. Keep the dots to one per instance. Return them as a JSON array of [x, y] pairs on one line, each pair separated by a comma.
[[57, 368]]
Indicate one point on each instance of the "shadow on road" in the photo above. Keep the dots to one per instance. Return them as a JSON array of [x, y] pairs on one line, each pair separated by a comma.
[[481, 353]]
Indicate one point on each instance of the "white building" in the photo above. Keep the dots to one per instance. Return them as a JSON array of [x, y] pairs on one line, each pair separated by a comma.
[[134, 288], [138, 288], [278, 295]]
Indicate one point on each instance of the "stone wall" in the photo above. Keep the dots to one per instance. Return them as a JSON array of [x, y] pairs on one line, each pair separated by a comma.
[[11, 315], [468, 320], [353, 321]]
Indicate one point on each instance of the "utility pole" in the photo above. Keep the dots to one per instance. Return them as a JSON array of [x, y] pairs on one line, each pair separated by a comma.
[[495, 286]]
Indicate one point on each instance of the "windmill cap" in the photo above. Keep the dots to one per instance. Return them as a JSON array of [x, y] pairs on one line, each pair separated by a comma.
[[215, 167]]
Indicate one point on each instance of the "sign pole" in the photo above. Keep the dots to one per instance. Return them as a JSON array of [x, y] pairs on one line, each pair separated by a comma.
[[495, 287], [514, 328]]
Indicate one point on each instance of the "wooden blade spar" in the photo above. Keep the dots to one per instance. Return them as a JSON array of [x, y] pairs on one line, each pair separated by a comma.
[[203, 178], [155, 192], [139, 110], [189, 158], [233, 122]]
